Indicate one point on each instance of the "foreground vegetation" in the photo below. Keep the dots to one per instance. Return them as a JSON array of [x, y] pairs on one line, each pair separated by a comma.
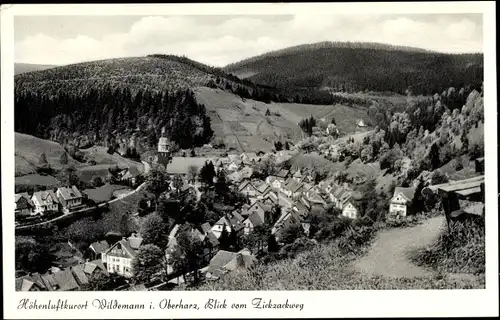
[[329, 266], [462, 250]]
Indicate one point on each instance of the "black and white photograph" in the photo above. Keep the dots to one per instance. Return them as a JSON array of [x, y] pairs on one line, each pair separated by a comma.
[[289, 151]]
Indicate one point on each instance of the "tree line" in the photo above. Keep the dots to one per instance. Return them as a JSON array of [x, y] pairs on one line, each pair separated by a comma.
[[105, 115]]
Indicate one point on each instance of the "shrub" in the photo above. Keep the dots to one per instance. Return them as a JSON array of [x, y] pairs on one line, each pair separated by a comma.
[[460, 250]]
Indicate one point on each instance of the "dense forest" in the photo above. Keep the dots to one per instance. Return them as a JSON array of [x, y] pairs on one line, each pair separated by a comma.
[[108, 115], [351, 68]]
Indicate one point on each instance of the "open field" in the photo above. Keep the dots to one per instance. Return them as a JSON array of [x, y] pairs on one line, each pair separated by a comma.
[[36, 179], [100, 155], [104, 193], [243, 125]]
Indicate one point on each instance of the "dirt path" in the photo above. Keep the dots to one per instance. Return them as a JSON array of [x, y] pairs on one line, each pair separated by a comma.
[[388, 255]]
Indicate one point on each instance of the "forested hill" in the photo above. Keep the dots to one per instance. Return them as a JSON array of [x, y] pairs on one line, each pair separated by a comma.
[[357, 67]]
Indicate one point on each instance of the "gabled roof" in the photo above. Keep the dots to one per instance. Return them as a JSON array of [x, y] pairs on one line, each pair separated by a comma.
[[263, 188], [212, 239], [69, 193], [408, 193], [206, 227], [135, 241], [222, 258], [24, 283], [124, 243], [100, 247], [79, 273], [91, 266], [297, 174], [263, 206], [245, 184], [294, 185], [133, 171], [246, 172], [43, 196], [65, 280], [37, 278], [283, 173], [255, 219], [50, 281]]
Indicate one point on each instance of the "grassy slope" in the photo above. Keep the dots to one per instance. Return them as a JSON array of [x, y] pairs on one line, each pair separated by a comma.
[[243, 124], [28, 150], [325, 267]]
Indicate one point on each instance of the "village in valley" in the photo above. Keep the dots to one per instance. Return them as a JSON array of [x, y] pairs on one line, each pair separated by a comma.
[[272, 206], [333, 165]]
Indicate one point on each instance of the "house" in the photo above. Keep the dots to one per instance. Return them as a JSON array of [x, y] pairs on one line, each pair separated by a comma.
[[118, 258], [248, 189], [234, 165], [287, 219], [24, 206], [45, 201], [261, 208], [69, 197], [246, 173], [27, 283], [300, 209], [293, 188], [360, 123], [131, 175], [226, 261], [263, 190], [79, 274], [65, 280], [400, 202], [98, 247], [231, 221], [254, 220], [207, 238], [275, 183], [94, 267], [284, 202], [350, 211], [249, 156]]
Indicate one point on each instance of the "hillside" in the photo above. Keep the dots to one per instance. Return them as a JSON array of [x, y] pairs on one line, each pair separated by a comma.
[[360, 67], [29, 67], [243, 125], [28, 150]]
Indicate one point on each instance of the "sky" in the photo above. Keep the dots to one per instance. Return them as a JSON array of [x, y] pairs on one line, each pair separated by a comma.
[[220, 40]]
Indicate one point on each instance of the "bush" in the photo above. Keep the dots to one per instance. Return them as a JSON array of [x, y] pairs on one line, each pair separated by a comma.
[[462, 250], [355, 237]]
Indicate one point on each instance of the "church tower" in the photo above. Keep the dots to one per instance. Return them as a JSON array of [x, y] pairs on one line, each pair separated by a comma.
[[164, 150]]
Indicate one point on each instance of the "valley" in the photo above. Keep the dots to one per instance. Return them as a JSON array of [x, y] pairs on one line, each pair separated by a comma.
[[294, 163]]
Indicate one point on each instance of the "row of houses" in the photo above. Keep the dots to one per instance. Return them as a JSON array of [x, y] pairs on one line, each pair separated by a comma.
[[41, 202], [69, 279]]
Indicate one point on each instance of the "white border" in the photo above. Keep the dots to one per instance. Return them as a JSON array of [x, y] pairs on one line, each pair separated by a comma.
[[414, 303]]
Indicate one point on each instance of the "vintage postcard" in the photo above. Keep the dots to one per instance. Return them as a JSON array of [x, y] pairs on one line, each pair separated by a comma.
[[249, 160]]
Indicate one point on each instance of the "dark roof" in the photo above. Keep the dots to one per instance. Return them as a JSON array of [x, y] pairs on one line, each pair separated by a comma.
[[283, 173], [255, 219], [100, 247], [65, 280], [222, 258], [79, 273], [50, 281], [206, 227], [212, 239], [139, 287], [294, 185]]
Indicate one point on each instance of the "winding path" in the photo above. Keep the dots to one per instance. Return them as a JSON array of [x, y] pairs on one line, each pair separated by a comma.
[[388, 255]]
